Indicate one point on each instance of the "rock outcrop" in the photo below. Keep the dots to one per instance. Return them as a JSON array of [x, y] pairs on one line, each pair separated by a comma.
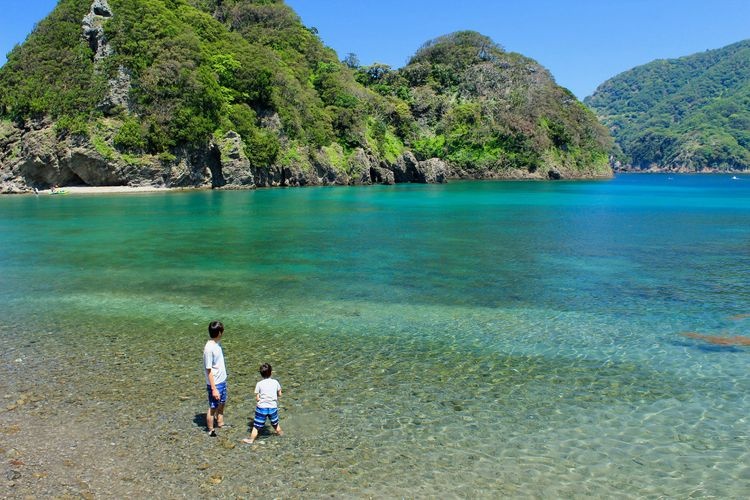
[[236, 171], [118, 94], [433, 171], [93, 31], [35, 157], [408, 169]]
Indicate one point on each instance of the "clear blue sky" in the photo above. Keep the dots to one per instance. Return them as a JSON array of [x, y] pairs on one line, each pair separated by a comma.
[[582, 42]]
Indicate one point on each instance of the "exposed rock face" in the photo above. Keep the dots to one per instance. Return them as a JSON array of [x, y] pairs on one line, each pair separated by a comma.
[[361, 165], [93, 29], [324, 169], [433, 171], [199, 168], [381, 175], [9, 150], [35, 157], [44, 161], [236, 171], [91, 167], [119, 91], [408, 169], [554, 174], [39, 164], [405, 168]]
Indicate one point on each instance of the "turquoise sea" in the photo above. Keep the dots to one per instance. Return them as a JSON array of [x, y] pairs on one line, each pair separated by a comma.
[[472, 339]]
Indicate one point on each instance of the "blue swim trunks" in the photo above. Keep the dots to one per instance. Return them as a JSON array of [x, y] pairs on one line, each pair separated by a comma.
[[214, 403], [262, 413]]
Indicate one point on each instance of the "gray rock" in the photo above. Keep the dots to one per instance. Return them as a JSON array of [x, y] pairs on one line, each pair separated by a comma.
[[361, 165], [92, 168], [325, 171], [268, 177], [195, 168], [405, 169], [39, 163], [381, 175], [93, 29], [119, 92], [554, 174], [408, 169], [433, 171], [236, 171]]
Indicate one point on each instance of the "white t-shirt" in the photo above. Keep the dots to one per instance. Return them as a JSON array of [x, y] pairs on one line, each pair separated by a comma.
[[268, 389], [213, 359]]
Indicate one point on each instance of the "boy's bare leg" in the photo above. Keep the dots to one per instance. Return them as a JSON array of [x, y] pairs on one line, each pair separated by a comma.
[[220, 416], [215, 416], [278, 430], [210, 419], [253, 435]]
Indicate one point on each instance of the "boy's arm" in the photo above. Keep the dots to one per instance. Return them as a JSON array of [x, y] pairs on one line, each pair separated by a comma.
[[207, 364], [214, 390]]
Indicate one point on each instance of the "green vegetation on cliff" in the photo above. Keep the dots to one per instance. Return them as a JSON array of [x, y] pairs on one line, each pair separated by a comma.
[[690, 113], [488, 111], [164, 76], [196, 68], [53, 71]]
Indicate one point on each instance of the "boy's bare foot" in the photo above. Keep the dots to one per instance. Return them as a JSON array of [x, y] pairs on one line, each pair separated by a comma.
[[248, 441], [279, 433]]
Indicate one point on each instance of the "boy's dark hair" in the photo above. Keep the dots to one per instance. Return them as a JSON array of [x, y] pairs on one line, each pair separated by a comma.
[[215, 328], [265, 370]]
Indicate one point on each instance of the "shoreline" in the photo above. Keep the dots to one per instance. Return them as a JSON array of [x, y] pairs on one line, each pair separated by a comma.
[[66, 190], [105, 190]]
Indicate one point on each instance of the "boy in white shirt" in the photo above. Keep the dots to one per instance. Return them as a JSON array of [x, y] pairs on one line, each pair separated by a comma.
[[216, 377], [267, 393]]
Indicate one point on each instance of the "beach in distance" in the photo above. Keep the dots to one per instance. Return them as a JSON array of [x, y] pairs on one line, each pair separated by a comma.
[[153, 189], [105, 189]]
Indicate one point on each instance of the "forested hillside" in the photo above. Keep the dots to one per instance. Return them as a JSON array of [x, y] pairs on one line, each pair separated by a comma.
[[688, 114], [238, 93], [487, 111]]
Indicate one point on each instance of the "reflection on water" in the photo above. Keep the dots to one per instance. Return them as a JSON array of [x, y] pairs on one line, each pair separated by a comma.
[[474, 339]]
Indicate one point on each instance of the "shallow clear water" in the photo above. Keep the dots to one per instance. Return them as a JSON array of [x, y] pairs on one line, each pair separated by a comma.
[[468, 339]]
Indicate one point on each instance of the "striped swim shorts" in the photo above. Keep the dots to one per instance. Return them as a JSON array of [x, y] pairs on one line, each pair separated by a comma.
[[262, 413]]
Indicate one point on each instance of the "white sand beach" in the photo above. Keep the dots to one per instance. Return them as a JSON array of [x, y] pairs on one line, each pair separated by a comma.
[[105, 189]]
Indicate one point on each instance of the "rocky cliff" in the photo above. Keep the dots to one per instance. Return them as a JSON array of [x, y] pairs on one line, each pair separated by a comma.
[[239, 94], [34, 157]]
